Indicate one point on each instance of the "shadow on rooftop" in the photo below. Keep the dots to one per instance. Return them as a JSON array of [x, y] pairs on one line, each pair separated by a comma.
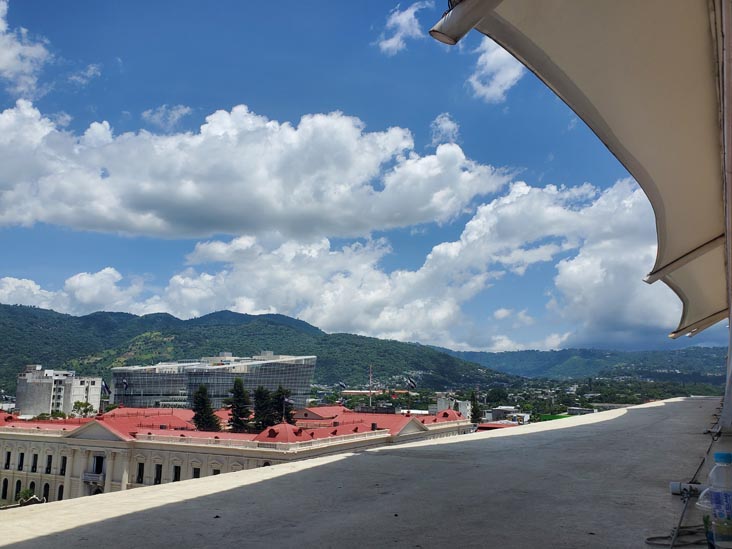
[[603, 484]]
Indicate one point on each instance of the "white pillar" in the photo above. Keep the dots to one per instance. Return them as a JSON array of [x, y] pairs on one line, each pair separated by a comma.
[[109, 471], [125, 479], [68, 494], [83, 465]]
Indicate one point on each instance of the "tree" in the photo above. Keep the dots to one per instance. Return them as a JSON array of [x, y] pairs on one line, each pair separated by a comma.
[[263, 408], [497, 396], [240, 407], [83, 409], [24, 494], [475, 411], [282, 405], [204, 417]]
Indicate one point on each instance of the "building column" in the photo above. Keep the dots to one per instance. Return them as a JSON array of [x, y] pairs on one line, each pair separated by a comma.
[[109, 471], [68, 494], [83, 465], [125, 470]]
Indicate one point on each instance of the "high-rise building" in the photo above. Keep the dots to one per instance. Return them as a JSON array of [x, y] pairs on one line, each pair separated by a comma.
[[42, 391], [172, 384]]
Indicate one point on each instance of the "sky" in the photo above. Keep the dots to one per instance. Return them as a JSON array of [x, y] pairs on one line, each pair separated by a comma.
[[328, 161]]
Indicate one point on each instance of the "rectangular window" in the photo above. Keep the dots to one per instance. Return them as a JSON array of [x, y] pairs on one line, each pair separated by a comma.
[[98, 465], [140, 473], [63, 466], [196, 472], [216, 472], [7, 460], [34, 463], [176, 473], [158, 473], [93, 382], [21, 458], [49, 462]]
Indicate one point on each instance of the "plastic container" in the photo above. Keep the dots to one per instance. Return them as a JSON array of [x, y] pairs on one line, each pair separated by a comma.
[[720, 495], [704, 504]]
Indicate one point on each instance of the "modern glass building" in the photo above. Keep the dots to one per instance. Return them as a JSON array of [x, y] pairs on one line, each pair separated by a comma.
[[172, 384]]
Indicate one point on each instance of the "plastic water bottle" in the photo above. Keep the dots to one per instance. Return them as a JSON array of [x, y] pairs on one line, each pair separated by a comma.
[[704, 504], [720, 492]]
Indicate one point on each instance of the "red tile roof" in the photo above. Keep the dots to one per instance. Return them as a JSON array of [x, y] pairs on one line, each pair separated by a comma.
[[320, 412], [449, 415], [284, 432], [44, 425], [395, 423], [223, 414], [213, 435], [129, 421]]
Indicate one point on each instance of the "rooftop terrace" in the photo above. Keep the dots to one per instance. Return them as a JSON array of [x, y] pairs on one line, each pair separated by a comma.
[[598, 480]]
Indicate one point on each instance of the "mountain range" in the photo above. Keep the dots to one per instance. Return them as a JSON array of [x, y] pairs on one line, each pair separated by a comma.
[[693, 364], [94, 343]]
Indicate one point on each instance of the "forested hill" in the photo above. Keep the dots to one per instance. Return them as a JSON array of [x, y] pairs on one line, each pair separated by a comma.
[[92, 344], [691, 364]]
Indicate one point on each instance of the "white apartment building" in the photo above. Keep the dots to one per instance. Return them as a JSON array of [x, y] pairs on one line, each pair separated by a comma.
[[42, 391]]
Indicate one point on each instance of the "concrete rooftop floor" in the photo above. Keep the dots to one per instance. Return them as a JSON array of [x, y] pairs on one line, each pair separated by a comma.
[[592, 481]]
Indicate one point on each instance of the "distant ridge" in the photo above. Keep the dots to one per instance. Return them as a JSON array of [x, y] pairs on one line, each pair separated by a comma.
[[696, 363], [93, 343], [230, 318]]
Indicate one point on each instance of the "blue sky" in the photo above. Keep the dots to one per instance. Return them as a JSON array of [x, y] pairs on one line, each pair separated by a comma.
[[325, 161]]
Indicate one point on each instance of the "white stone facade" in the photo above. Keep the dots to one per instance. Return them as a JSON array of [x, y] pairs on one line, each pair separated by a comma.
[[92, 458]]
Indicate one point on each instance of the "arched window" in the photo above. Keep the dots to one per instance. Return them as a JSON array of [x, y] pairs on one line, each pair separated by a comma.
[[266, 464], [46, 491], [5, 489], [17, 490], [60, 493], [32, 487]]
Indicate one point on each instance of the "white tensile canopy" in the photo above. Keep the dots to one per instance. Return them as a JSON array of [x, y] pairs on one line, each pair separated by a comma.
[[651, 79]]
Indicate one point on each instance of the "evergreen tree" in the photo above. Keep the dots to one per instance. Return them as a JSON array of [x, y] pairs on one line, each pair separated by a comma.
[[282, 403], [204, 417], [475, 411], [264, 413], [240, 407]]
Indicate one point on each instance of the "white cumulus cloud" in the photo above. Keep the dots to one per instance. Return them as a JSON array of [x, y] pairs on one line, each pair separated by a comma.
[[500, 314], [496, 72], [400, 26], [444, 129], [82, 293], [86, 75], [21, 58], [600, 242], [165, 117], [241, 173]]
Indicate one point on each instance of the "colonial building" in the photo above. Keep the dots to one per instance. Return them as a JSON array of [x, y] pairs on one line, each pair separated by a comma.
[[129, 447]]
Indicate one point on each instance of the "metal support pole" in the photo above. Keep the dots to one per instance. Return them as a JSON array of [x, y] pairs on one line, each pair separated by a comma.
[[724, 10]]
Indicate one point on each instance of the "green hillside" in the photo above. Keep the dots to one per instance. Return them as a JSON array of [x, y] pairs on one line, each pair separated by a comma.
[[96, 342], [695, 364]]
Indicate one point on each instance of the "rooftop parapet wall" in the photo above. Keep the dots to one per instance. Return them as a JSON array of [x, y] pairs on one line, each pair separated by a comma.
[[587, 481]]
